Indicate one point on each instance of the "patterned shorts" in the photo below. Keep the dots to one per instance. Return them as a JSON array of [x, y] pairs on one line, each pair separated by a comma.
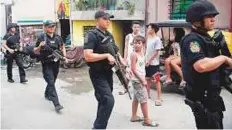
[[140, 92]]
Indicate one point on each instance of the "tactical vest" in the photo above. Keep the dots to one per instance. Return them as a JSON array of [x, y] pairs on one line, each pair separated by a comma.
[[50, 45], [101, 48], [198, 83], [13, 41]]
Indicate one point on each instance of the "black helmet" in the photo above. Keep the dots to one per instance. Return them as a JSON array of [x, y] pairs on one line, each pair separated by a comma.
[[11, 25], [198, 9]]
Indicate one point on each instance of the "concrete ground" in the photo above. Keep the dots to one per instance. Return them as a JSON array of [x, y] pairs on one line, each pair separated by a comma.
[[23, 105]]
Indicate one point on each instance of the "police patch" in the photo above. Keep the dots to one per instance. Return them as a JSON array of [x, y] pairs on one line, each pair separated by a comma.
[[194, 47], [86, 38]]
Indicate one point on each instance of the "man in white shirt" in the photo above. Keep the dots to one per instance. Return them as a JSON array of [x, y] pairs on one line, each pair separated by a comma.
[[152, 56], [129, 41]]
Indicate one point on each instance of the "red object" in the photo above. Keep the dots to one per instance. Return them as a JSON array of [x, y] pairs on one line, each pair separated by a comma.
[[156, 77]]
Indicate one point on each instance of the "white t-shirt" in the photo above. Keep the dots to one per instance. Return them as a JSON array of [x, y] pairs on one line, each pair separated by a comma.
[[140, 67], [129, 47], [152, 45]]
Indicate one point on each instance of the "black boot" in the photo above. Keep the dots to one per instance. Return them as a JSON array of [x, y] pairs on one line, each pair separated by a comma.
[[23, 81], [11, 80], [58, 108]]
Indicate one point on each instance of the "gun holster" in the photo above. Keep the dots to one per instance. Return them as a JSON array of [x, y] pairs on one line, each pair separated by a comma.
[[202, 113], [196, 106]]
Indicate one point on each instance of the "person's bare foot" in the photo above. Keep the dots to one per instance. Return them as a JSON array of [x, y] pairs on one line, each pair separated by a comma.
[[168, 81]]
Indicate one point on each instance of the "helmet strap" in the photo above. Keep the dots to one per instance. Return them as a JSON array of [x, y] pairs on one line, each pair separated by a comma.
[[199, 26]]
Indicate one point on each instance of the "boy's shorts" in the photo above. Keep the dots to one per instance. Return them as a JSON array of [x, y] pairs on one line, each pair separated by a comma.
[[140, 92], [151, 70]]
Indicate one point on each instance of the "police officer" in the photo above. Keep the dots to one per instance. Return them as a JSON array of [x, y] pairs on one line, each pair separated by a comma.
[[201, 65], [11, 42], [100, 60], [45, 45]]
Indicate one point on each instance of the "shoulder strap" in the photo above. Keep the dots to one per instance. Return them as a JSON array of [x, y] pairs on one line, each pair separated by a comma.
[[102, 37], [97, 33]]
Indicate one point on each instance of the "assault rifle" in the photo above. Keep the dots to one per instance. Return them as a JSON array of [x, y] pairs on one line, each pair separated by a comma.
[[55, 54], [119, 69]]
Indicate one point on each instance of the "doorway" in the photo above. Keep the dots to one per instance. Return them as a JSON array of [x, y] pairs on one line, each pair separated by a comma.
[[126, 25], [127, 28], [65, 28]]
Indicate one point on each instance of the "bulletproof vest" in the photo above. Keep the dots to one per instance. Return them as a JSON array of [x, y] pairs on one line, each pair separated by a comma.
[[51, 44], [101, 48], [199, 82], [13, 41], [54, 43]]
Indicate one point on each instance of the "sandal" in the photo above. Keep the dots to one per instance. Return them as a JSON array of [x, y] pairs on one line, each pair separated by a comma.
[[138, 119], [152, 124], [158, 102]]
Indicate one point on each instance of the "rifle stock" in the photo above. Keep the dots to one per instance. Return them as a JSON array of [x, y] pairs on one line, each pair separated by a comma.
[[120, 72]]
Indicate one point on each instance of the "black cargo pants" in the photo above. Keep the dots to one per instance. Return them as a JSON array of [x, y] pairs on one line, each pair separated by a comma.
[[103, 86], [19, 62], [50, 72]]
